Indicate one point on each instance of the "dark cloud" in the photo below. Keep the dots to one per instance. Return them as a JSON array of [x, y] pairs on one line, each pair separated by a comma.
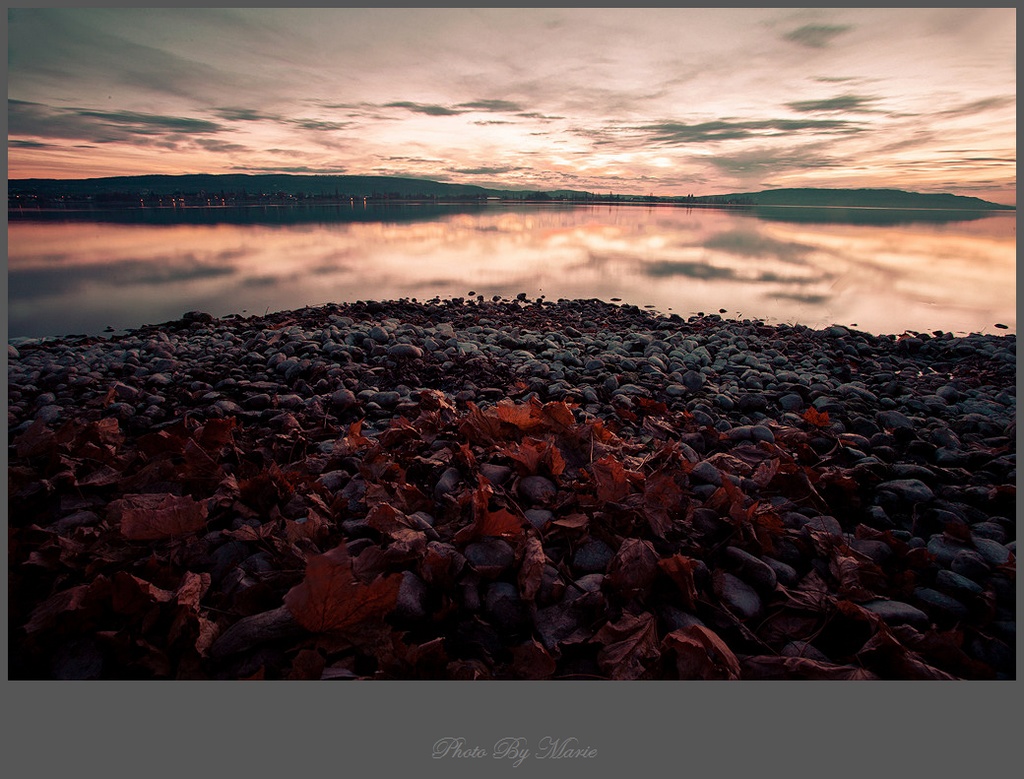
[[839, 103], [424, 108], [816, 36], [319, 125], [499, 106], [811, 299], [693, 270], [535, 115], [19, 144], [286, 169], [211, 144], [36, 283], [490, 122], [761, 161], [245, 115], [485, 171], [677, 133], [151, 124], [36, 119], [978, 106], [750, 244]]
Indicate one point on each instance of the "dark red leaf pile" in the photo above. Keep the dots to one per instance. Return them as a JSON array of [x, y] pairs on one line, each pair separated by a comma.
[[453, 545]]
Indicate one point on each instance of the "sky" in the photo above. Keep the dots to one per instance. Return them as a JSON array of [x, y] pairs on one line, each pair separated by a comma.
[[664, 101]]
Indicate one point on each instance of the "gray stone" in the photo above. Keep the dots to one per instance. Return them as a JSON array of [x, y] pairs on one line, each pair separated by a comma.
[[343, 399], [739, 597], [956, 585], [707, 472], [939, 605], [895, 612], [378, 334], [791, 402], [447, 483], [593, 557], [490, 556], [893, 420], [405, 351], [876, 551], [784, 574], [693, 380], [496, 474], [539, 518], [537, 490], [412, 597], [993, 552], [909, 490], [387, 399], [945, 549], [969, 563], [752, 570]]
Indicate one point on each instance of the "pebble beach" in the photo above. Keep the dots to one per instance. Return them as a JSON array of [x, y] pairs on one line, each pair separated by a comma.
[[519, 488]]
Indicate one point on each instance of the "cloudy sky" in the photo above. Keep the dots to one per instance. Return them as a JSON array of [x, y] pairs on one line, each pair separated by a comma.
[[664, 101]]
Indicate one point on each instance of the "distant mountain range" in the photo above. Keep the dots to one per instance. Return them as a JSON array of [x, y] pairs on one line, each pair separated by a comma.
[[199, 189]]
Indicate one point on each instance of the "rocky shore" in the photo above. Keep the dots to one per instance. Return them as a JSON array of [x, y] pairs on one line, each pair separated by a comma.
[[508, 489]]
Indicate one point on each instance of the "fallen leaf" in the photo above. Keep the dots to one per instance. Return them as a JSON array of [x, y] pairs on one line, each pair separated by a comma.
[[532, 661], [632, 570], [151, 517], [531, 570], [609, 478], [630, 646], [774, 667], [680, 569], [817, 418], [701, 654], [45, 614], [330, 599]]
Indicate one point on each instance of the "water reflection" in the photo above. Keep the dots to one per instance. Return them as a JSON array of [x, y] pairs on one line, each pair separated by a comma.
[[78, 275]]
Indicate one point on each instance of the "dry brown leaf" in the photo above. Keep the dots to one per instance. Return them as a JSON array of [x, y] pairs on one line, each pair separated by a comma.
[[701, 654], [330, 599], [630, 647], [531, 571], [151, 517]]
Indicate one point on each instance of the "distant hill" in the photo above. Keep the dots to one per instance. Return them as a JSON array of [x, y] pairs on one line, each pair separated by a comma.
[[268, 184], [861, 198]]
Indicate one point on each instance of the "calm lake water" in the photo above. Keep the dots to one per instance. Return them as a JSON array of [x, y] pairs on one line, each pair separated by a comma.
[[879, 271]]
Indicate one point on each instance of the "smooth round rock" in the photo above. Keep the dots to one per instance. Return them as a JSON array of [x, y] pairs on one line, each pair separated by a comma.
[[490, 556], [939, 605], [969, 563], [537, 490], [895, 612], [750, 569], [739, 596], [593, 557], [343, 399], [993, 552], [909, 490], [405, 351]]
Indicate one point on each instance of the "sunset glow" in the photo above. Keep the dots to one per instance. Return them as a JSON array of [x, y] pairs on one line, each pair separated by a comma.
[[634, 101]]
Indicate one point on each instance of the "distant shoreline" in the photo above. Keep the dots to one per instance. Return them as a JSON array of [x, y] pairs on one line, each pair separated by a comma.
[[89, 205], [202, 189]]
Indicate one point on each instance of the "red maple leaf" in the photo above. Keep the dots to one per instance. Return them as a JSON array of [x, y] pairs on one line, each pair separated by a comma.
[[817, 418], [330, 599]]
